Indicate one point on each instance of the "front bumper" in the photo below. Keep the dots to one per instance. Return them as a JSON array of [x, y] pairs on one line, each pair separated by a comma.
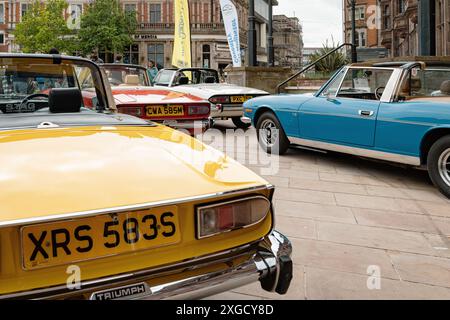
[[267, 260]]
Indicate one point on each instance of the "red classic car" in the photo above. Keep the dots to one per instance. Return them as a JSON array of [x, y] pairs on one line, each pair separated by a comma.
[[134, 96]]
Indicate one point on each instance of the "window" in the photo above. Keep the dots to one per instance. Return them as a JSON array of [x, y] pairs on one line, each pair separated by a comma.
[[357, 38], [333, 86], [360, 13], [24, 7], [362, 38], [155, 13], [387, 17], [2, 13], [366, 83], [2, 38], [432, 82], [131, 54], [206, 56], [130, 7], [156, 53], [401, 6]]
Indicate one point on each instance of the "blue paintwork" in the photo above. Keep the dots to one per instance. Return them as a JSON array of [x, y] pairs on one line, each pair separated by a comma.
[[397, 127]]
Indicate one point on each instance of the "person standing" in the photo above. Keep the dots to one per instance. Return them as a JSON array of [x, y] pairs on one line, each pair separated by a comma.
[[152, 71], [118, 59]]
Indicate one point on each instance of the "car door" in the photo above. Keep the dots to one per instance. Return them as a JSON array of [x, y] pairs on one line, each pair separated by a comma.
[[345, 112]]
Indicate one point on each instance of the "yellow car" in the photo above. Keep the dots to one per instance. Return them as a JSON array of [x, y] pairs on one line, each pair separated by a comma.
[[99, 205]]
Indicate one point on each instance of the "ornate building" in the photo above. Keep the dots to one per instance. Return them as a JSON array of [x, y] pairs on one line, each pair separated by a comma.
[[443, 27], [399, 27], [154, 35], [288, 41]]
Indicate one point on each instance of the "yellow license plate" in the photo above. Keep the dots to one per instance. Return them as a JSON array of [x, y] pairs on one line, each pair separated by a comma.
[[240, 99], [57, 243], [165, 111]]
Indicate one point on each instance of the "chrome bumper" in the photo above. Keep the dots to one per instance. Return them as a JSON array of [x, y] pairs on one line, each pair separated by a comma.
[[193, 126], [268, 261], [227, 111]]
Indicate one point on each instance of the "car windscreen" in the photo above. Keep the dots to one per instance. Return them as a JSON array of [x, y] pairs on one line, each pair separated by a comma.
[[25, 82], [120, 75], [164, 77], [431, 82]]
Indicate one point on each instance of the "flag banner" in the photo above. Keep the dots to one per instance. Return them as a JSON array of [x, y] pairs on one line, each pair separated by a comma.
[[230, 19], [181, 57]]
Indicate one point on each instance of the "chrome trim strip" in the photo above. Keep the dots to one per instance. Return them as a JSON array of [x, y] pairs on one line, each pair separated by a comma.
[[381, 155], [136, 207], [219, 204]]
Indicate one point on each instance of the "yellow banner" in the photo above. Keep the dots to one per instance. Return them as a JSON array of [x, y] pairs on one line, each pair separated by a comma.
[[181, 57]]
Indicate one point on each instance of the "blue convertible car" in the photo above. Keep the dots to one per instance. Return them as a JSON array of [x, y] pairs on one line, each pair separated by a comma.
[[394, 111]]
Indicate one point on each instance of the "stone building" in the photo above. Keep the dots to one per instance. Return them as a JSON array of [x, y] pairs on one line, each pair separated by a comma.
[[288, 41], [399, 30], [443, 27], [155, 32], [366, 31]]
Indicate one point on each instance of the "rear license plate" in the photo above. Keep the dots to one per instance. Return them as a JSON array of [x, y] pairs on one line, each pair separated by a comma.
[[240, 99], [57, 243], [165, 111]]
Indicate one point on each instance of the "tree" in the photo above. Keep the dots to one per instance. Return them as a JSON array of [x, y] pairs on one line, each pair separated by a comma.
[[330, 63], [43, 27], [106, 27]]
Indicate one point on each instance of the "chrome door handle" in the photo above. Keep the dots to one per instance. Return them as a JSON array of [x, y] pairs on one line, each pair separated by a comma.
[[366, 113]]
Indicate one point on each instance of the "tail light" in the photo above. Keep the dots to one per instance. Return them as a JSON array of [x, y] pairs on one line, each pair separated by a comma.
[[198, 110], [132, 111], [231, 215], [219, 99]]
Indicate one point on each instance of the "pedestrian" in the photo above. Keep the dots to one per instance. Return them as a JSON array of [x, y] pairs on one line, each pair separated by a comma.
[[152, 71], [53, 51], [118, 59], [95, 58]]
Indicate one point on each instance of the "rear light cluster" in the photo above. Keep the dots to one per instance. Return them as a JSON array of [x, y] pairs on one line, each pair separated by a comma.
[[219, 99], [231, 215], [132, 111], [198, 110]]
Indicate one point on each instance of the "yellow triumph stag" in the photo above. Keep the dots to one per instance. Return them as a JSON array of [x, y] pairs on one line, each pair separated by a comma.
[[99, 205]]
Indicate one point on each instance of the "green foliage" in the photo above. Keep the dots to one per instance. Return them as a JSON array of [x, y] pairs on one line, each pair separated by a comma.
[[106, 27], [43, 27], [332, 62]]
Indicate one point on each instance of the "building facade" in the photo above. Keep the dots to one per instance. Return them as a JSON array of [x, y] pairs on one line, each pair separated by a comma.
[[366, 31], [288, 41], [399, 28], [443, 27], [155, 32]]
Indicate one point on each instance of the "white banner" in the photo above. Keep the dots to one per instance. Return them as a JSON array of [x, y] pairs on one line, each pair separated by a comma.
[[230, 19]]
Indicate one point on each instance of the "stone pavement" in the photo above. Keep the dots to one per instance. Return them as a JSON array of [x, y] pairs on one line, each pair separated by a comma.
[[348, 217]]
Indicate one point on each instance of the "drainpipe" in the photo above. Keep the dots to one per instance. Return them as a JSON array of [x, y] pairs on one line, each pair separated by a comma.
[[251, 34], [271, 54]]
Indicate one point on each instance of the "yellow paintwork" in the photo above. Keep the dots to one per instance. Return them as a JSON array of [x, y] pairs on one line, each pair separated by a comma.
[[46, 172]]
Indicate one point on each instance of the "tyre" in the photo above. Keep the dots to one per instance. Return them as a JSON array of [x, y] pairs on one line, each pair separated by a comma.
[[439, 165], [241, 125], [271, 135]]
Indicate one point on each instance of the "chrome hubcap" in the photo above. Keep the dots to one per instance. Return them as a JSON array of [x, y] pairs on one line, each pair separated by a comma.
[[444, 166], [269, 133]]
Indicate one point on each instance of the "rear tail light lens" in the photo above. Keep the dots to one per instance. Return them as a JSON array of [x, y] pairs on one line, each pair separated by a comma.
[[237, 214], [220, 99], [198, 110], [132, 111]]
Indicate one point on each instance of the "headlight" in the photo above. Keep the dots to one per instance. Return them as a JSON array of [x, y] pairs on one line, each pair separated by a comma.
[[231, 215], [220, 99], [198, 110]]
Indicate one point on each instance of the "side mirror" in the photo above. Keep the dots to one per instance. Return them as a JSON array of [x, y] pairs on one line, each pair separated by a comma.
[[331, 97]]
